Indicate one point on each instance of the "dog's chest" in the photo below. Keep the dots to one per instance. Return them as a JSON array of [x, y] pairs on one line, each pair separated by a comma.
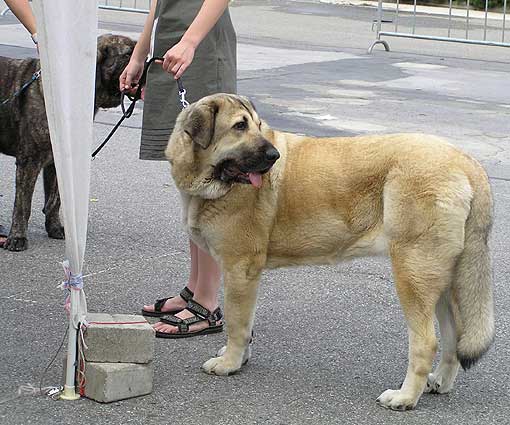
[[190, 219]]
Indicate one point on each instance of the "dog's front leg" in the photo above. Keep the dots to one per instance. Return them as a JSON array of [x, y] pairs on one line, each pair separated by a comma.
[[52, 203], [241, 284], [26, 176]]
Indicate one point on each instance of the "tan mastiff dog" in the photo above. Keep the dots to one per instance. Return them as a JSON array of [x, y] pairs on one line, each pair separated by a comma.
[[257, 198]]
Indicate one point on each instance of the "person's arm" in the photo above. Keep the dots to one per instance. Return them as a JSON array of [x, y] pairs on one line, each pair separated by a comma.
[[134, 69], [23, 12], [180, 56]]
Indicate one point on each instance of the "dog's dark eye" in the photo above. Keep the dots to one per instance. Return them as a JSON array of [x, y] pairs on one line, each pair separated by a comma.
[[241, 125]]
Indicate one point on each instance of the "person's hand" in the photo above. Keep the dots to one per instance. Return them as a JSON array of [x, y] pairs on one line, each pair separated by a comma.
[[178, 58], [129, 78]]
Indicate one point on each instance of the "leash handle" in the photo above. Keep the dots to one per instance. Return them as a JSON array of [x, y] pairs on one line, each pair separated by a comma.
[[143, 79], [141, 83], [126, 112], [138, 94]]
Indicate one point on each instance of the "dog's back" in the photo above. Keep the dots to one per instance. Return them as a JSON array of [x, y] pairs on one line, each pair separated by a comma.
[[13, 74]]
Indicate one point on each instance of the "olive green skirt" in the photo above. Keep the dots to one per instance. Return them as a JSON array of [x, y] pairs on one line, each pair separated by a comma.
[[213, 70]]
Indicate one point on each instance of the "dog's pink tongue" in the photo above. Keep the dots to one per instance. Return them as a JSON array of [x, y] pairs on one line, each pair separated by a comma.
[[255, 179]]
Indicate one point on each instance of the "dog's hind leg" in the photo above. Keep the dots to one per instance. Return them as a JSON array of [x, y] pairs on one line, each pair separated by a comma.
[[52, 203], [441, 381], [420, 277], [241, 283], [26, 176]]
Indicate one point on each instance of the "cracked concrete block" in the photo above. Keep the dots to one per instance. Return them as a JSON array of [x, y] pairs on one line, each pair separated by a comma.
[[109, 341]]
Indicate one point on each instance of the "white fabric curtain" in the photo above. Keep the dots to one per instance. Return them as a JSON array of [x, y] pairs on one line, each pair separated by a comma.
[[67, 33]]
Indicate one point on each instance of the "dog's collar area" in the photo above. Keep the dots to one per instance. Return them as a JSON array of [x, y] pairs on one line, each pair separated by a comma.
[[35, 76]]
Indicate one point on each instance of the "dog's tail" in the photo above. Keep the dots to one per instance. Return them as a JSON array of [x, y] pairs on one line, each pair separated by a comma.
[[472, 283]]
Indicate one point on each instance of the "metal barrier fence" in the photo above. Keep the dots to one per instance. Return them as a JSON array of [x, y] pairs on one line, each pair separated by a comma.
[[139, 6], [461, 21]]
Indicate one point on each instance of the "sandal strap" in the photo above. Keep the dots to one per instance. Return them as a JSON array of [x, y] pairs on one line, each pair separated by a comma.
[[183, 328], [200, 314], [182, 324], [205, 314], [170, 319], [198, 309], [216, 315], [158, 305], [186, 294]]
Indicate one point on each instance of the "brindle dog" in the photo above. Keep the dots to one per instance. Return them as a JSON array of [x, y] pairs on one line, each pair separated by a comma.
[[24, 131]]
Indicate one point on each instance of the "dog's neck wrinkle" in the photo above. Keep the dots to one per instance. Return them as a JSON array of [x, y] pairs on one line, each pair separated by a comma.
[[192, 181], [208, 190], [199, 184]]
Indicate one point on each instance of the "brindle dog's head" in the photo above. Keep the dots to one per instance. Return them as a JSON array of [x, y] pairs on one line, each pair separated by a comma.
[[217, 142], [113, 54]]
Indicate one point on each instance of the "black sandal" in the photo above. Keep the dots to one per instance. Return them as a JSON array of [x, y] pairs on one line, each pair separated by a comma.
[[185, 294], [200, 314]]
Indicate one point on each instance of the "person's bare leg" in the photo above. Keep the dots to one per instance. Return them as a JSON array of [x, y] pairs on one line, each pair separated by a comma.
[[206, 291], [177, 302]]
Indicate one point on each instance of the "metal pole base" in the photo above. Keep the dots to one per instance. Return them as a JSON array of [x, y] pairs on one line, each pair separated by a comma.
[[69, 394], [383, 42]]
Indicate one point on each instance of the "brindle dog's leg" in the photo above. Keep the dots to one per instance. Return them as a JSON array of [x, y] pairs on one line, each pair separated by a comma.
[[241, 283], [26, 176], [52, 203]]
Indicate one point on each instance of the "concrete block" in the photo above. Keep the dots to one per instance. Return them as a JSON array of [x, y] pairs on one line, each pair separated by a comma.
[[107, 382], [110, 342]]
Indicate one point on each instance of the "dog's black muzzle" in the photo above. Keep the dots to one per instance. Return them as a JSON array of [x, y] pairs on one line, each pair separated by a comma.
[[238, 169], [261, 161]]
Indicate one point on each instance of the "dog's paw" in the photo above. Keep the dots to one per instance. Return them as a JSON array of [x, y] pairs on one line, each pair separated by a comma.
[[220, 366], [396, 400], [56, 232], [246, 355], [437, 385], [16, 244]]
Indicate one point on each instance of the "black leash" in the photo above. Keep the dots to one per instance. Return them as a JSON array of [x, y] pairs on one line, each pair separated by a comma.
[[35, 76], [126, 113]]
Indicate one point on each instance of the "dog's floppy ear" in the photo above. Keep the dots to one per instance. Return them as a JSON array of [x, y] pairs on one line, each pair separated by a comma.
[[113, 53], [200, 123], [102, 46], [102, 54]]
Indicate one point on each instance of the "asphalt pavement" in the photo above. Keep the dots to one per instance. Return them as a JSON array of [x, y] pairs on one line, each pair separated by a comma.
[[329, 339]]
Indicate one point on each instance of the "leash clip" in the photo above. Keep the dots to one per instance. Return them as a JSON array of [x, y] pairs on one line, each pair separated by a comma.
[[184, 102], [182, 94]]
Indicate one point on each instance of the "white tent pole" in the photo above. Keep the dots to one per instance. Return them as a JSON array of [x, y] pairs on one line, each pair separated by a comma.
[[69, 392], [67, 33]]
